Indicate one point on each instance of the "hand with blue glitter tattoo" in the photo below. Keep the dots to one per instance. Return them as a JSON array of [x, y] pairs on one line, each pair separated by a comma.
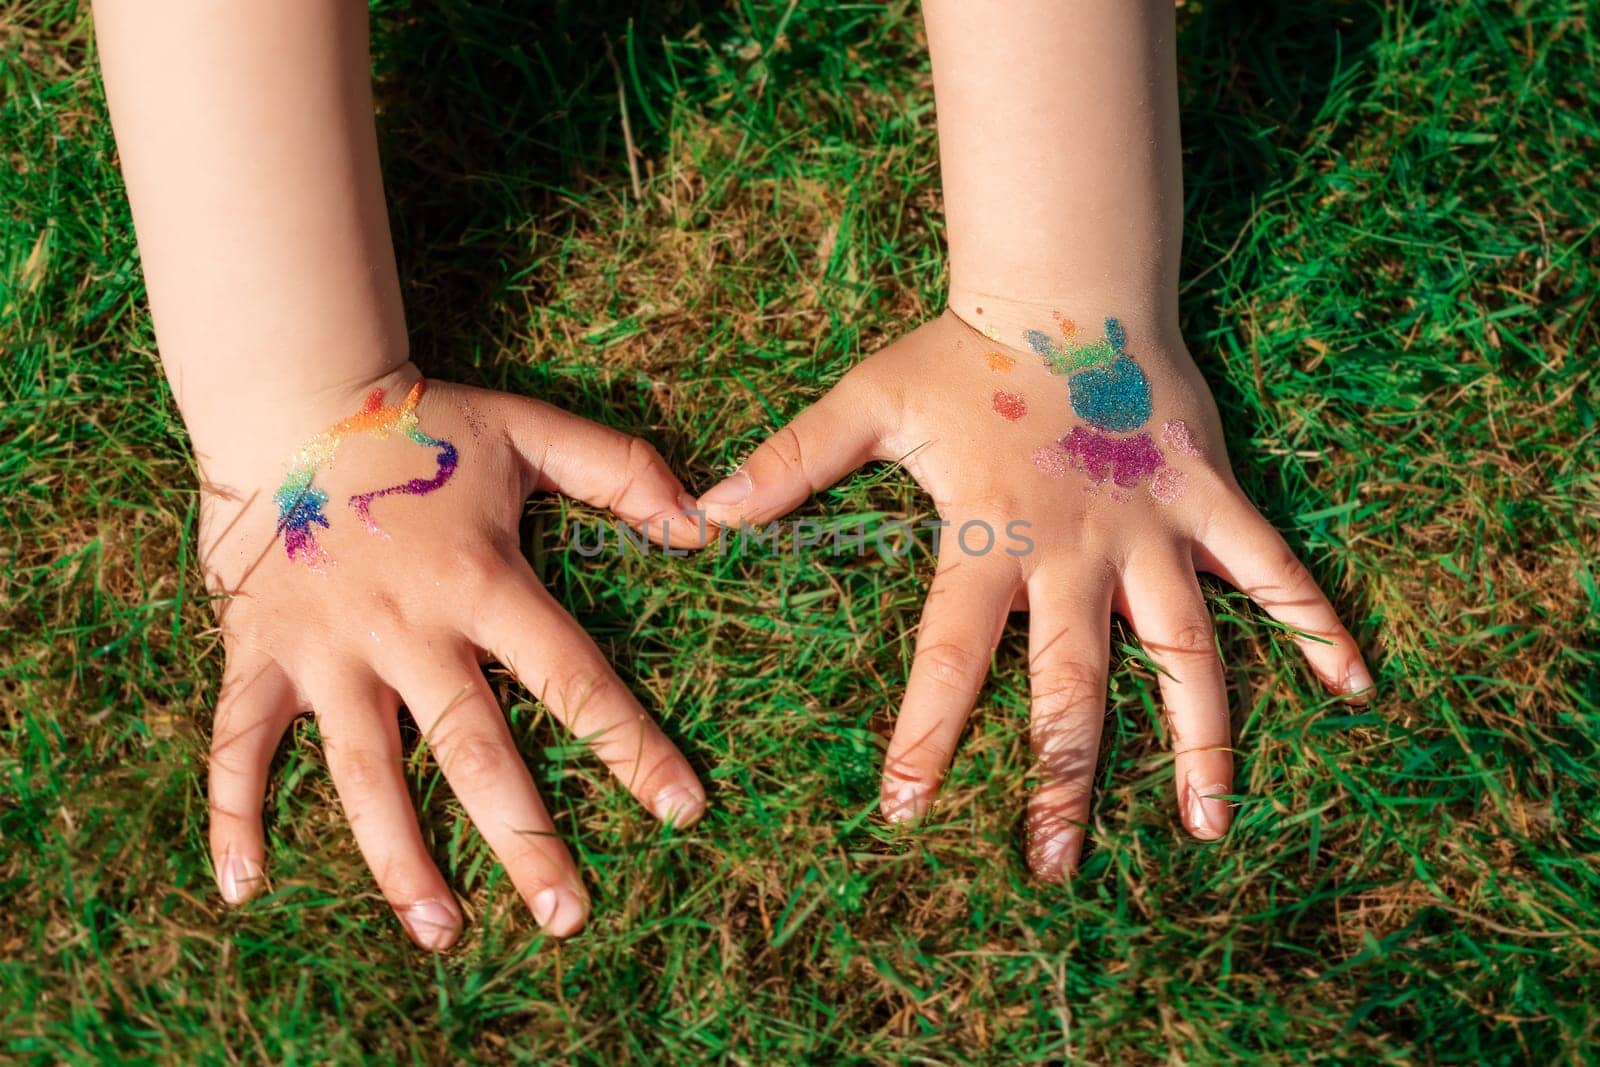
[[1057, 392], [358, 527]]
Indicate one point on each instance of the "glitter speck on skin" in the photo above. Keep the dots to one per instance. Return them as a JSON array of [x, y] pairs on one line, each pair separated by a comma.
[[999, 361], [1039, 342], [1051, 461], [1068, 327], [1123, 461], [1010, 405], [1178, 438], [1168, 484]]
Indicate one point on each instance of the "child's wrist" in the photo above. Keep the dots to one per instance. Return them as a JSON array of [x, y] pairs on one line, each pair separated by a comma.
[[245, 439], [1020, 323]]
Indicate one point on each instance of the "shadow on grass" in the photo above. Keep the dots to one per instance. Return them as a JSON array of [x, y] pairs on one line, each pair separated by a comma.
[[493, 117], [1260, 85]]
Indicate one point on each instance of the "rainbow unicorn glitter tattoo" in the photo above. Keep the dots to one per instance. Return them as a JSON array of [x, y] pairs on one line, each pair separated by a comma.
[[1110, 393], [300, 503]]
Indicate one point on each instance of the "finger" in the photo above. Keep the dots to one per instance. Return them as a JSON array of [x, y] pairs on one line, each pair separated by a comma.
[[1243, 549], [254, 708], [361, 739], [1068, 657], [1163, 601], [961, 623], [604, 467], [463, 725], [819, 446], [558, 662]]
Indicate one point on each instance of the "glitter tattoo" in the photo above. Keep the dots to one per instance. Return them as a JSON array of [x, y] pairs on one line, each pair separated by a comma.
[[300, 503], [1010, 406], [1110, 393]]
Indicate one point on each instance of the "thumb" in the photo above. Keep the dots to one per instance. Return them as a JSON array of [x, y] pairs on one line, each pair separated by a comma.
[[822, 444], [604, 467]]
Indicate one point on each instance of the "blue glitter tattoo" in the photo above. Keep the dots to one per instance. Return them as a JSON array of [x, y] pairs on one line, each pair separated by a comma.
[[1115, 398], [1110, 392], [1115, 335]]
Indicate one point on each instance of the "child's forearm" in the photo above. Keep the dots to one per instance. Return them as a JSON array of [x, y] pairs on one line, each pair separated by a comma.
[[1059, 148], [247, 141]]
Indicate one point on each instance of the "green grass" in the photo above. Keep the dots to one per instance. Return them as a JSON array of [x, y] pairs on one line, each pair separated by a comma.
[[1390, 263]]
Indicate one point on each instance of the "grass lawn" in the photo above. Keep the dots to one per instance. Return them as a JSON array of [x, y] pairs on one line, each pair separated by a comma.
[[1391, 283]]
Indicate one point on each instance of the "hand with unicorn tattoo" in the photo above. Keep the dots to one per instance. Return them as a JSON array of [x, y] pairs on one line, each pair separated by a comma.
[[381, 571], [1103, 448], [300, 503]]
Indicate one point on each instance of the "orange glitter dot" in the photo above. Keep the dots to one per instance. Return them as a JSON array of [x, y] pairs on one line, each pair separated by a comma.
[[999, 361], [1068, 327]]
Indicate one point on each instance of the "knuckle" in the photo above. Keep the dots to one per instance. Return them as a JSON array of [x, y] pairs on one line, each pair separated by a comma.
[[587, 691], [1298, 580], [951, 666], [643, 459], [476, 573], [784, 446], [231, 755], [994, 507], [475, 756], [358, 770], [638, 463], [1191, 640], [1064, 685]]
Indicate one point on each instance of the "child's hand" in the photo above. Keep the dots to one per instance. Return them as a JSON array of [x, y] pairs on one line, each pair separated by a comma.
[[378, 568], [1105, 443]]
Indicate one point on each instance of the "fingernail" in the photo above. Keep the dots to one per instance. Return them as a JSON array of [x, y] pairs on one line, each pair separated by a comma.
[[238, 878], [731, 490], [678, 805], [558, 911], [1208, 812], [903, 802], [1358, 681], [432, 924]]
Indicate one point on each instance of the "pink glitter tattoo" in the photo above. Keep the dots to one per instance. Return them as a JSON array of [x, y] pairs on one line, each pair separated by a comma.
[[1123, 461], [1010, 406], [1051, 461], [1112, 395], [1168, 484], [1177, 437]]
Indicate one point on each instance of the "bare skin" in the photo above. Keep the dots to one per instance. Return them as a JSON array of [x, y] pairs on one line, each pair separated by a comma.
[[1059, 144]]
